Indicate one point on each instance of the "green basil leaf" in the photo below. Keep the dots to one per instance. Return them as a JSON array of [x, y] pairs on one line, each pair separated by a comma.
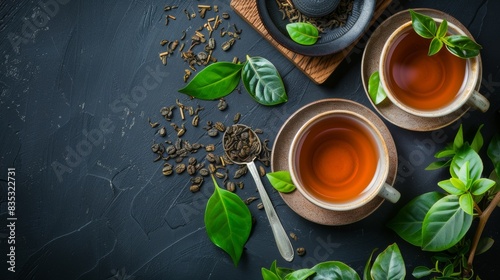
[[303, 33], [452, 186], [467, 203], [269, 275], [368, 267], [494, 152], [442, 29], [444, 224], [375, 89], [389, 264], [481, 186], [281, 181], [421, 271], [424, 26], [408, 222], [228, 222], [467, 154], [435, 46], [263, 82], [478, 141], [215, 81], [301, 274], [334, 270]]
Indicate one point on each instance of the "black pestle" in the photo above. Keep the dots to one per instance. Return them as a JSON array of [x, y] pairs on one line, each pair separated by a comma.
[[316, 8]]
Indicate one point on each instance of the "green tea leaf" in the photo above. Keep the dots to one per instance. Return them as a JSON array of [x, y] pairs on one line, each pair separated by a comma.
[[408, 222], [450, 186], [303, 33], [438, 164], [228, 222], [282, 272], [215, 81], [464, 155], [301, 274], [462, 46], [334, 270], [442, 29], [463, 176], [368, 267], [263, 82], [477, 142], [458, 142], [421, 271], [485, 243], [389, 264], [445, 153], [444, 224], [435, 46], [424, 26], [467, 203], [269, 275], [481, 186], [494, 152], [281, 181], [375, 89]]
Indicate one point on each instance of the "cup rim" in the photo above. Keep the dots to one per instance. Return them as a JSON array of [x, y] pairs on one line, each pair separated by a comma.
[[468, 87], [383, 163]]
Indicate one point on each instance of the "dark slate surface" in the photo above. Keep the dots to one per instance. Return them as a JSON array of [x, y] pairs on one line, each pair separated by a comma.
[[77, 89]]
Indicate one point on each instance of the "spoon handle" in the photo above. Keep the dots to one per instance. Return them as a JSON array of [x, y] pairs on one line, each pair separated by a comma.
[[284, 246]]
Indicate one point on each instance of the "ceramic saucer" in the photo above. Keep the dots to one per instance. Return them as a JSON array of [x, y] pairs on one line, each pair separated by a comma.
[[332, 41], [279, 161], [370, 64]]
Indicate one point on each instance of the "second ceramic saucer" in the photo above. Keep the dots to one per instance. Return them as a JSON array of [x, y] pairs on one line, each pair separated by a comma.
[[295, 200], [370, 64]]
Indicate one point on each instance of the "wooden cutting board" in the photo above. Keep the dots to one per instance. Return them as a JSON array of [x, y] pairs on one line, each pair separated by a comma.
[[319, 68]]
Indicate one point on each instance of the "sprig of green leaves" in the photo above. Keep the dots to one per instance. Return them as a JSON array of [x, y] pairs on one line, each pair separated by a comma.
[[459, 45]]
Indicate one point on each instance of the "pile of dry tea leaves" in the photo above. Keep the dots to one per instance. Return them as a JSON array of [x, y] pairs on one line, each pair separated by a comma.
[[197, 48], [180, 157], [336, 19]]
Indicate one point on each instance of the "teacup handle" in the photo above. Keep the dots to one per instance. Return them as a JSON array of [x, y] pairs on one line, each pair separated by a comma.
[[478, 101], [389, 193]]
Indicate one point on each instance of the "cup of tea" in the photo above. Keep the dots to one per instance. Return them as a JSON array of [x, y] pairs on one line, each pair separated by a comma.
[[339, 161], [428, 86]]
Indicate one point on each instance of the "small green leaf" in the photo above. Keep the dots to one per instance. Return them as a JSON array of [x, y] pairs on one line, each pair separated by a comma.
[[444, 225], [467, 203], [442, 29], [462, 46], [450, 186], [228, 222], [375, 89], [368, 267], [273, 267], [263, 82], [435, 46], [300, 274], [458, 142], [477, 142], [303, 33], [421, 271], [464, 155], [334, 270], [281, 181], [463, 173], [448, 270], [282, 272], [485, 243], [424, 26], [445, 153], [482, 185], [215, 81], [269, 275], [438, 164], [494, 152], [389, 264], [408, 222]]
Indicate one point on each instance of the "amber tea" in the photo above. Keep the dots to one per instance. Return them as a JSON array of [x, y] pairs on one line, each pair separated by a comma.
[[420, 81], [336, 158]]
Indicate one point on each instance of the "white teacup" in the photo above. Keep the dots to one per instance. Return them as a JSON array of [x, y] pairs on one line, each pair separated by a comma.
[[339, 161], [428, 86]]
